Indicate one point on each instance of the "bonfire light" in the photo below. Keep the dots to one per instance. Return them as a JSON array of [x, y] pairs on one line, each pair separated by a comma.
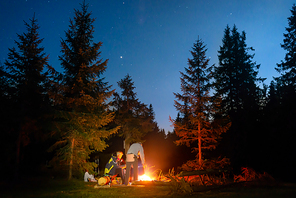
[[144, 178]]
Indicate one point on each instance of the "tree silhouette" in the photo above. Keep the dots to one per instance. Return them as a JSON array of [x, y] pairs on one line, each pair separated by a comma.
[[287, 68], [197, 128], [236, 83], [282, 101], [83, 116], [25, 80], [134, 117]]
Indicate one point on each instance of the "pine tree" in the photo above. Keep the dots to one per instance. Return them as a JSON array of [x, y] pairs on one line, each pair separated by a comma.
[[287, 68], [197, 128], [83, 116], [236, 82], [236, 75], [25, 88], [134, 117], [284, 104], [286, 82]]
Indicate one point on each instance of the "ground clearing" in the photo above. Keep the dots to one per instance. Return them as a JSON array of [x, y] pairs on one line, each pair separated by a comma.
[[77, 188]]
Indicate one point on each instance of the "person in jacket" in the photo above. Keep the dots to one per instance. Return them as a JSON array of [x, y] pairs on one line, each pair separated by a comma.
[[113, 166], [134, 152]]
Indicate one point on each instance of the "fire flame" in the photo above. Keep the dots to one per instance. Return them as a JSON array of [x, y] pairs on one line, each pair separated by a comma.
[[144, 178]]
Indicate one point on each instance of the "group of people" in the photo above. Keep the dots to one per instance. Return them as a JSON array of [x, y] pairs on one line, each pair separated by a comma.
[[115, 165]]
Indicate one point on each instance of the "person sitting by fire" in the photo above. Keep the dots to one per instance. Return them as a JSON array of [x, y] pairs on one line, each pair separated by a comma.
[[134, 152], [114, 167], [89, 177]]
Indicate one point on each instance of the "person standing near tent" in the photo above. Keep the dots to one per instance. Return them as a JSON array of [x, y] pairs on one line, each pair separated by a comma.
[[134, 152]]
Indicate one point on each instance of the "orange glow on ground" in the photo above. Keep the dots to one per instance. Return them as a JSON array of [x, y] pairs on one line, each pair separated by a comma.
[[144, 178]]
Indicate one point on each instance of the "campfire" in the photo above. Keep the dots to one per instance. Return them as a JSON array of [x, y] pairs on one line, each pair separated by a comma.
[[144, 177]]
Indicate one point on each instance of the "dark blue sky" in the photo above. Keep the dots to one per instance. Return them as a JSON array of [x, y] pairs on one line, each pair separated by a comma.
[[150, 39]]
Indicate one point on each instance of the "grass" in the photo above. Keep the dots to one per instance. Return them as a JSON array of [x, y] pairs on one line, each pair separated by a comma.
[[77, 188]]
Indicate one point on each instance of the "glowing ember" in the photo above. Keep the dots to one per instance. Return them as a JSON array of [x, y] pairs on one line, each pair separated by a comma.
[[144, 178]]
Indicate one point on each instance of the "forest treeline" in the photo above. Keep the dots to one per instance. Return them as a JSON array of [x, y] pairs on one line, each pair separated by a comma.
[[227, 116]]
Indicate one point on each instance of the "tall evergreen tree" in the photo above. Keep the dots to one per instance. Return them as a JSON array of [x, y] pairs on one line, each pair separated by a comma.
[[134, 117], [286, 92], [286, 82], [82, 102], [236, 82], [236, 75], [25, 88], [287, 68], [198, 127]]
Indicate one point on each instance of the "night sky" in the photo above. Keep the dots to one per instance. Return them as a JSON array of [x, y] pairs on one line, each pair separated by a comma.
[[150, 39]]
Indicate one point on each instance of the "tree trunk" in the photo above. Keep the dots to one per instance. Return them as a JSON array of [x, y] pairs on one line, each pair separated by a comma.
[[71, 159], [17, 159], [126, 143], [199, 143]]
